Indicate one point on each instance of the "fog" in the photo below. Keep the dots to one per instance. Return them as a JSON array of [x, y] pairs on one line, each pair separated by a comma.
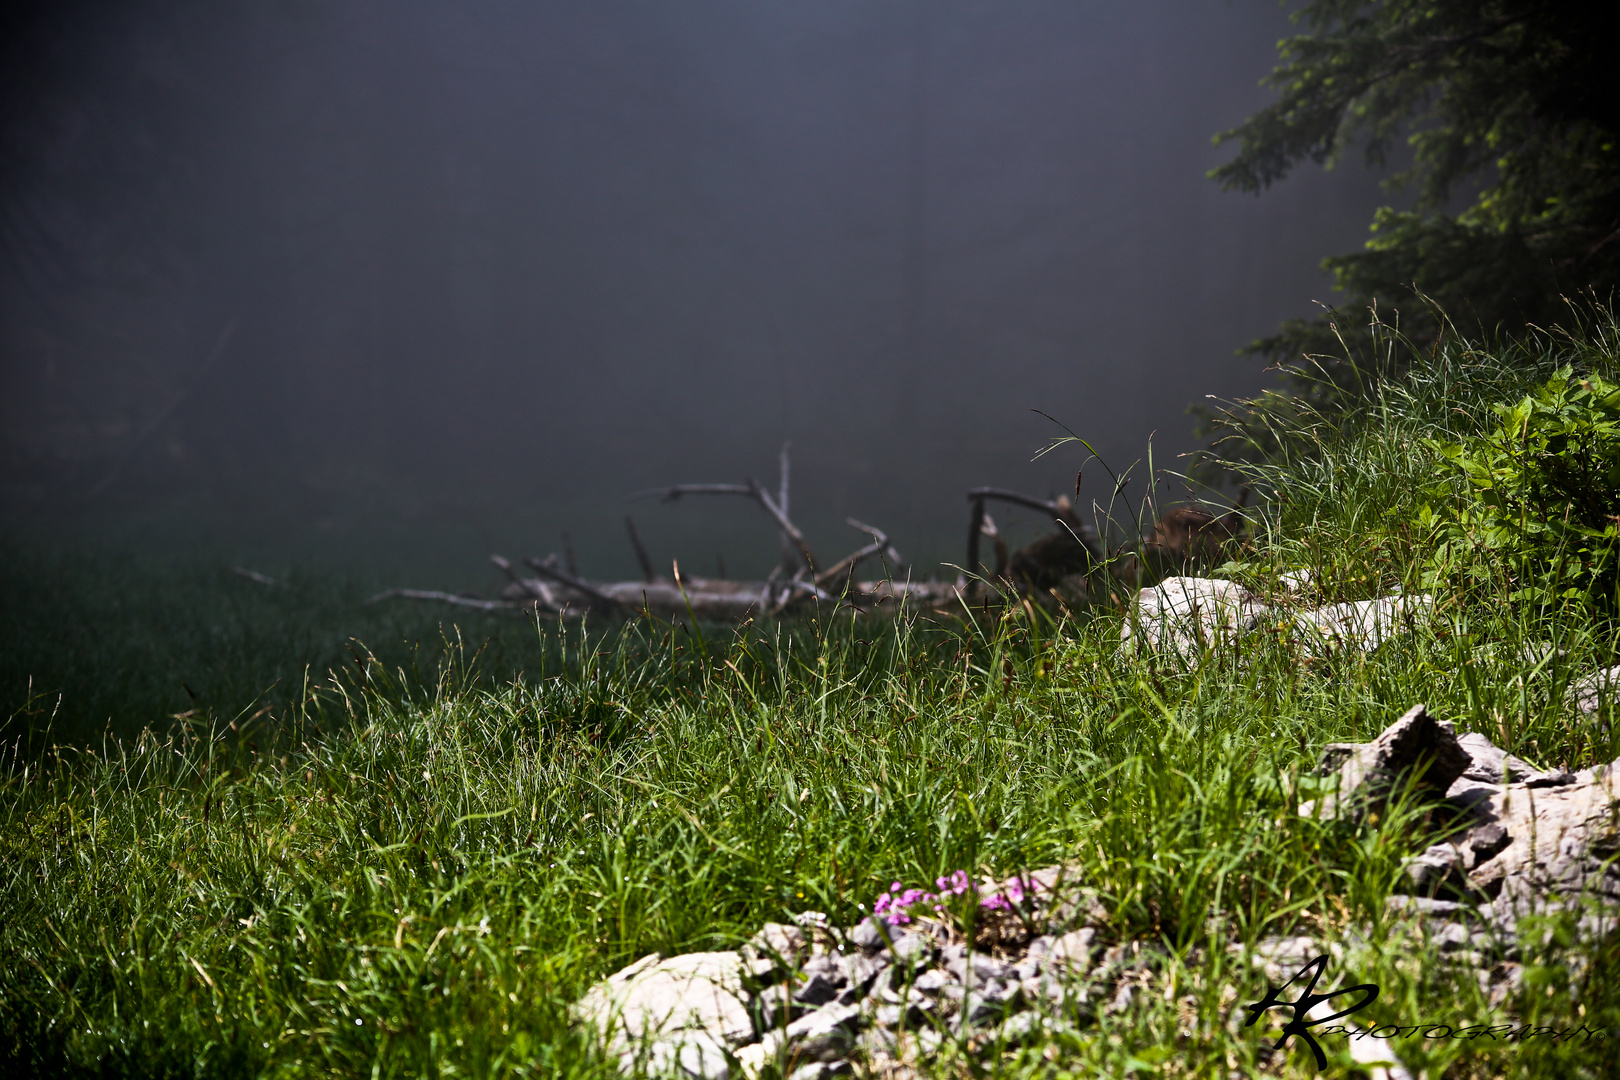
[[409, 280]]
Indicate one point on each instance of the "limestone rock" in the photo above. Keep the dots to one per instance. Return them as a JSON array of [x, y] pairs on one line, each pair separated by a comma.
[[784, 943], [1560, 843], [694, 1054], [656, 997], [1361, 624], [1184, 615], [1589, 693], [826, 1034], [1414, 749], [1489, 764]]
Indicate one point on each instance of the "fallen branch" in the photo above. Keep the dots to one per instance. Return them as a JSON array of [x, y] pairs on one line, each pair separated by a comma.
[[473, 602], [647, 574], [533, 588], [787, 527], [674, 492], [563, 578]]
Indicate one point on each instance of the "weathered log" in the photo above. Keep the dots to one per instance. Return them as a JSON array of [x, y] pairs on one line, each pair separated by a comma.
[[533, 588], [474, 602], [563, 578]]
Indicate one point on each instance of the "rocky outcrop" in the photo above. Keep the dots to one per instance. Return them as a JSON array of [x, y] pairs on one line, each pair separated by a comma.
[[683, 1011], [815, 1000], [1590, 693], [1362, 624], [1512, 840], [1182, 616], [1416, 752]]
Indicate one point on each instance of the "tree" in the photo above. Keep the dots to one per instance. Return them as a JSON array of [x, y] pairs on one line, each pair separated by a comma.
[[1516, 102]]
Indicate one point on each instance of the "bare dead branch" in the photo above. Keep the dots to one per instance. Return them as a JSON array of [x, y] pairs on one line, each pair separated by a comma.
[[531, 587], [789, 557], [647, 574], [473, 602], [1002, 495], [783, 523], [674, 492], [564, 578], [897, 564]]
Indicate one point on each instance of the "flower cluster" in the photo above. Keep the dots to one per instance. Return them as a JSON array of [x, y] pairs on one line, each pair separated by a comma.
[[899, 905]]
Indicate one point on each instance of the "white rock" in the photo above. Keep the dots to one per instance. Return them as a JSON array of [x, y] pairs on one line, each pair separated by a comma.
[[654, 997], [1073, 950], [1491, 764], [752, 1059], [1360, 624], [1378, 1056], [1297, 581], [1589, 692], [695, 1054], [1183, 615]]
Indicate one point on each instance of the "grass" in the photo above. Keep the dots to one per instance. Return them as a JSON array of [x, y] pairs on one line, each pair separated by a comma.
[[413, 870], [107, 642]]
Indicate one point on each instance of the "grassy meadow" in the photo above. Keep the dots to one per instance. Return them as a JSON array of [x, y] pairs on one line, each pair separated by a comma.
[[410, 862]]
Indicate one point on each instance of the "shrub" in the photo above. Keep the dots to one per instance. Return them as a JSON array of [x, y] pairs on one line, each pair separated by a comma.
[[1539, 497]]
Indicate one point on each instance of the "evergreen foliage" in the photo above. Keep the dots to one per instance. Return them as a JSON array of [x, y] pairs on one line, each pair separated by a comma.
[[1518, 97]]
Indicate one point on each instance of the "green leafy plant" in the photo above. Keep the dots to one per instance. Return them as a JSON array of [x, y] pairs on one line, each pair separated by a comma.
[[1540, 495]]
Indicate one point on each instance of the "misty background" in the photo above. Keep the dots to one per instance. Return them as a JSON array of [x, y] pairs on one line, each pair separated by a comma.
[[398, 283]]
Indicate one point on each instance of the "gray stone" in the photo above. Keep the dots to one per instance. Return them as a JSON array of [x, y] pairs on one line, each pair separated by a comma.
[[870, 935], [1490, 764], [984, 1006], [912, 949], [1485, 841], [826, 1034], [931, 982], [818, 988], [655, 997], [785, 944], [777, 1008], [974, 969], [1560, 844], [692, 1054], [1020, 1028], [1044, 988], [1589, 693], [1363, 625], [823, 935], [1416, 749], [761, 971], [909, 1014], [1452, 936], [1073, 951], [1440, 868], [1182, 616], [863, 969], [821, 1070], [1423, 904], [878, 1041]]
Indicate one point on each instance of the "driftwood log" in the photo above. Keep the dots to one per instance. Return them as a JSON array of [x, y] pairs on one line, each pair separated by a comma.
[[1067, 565], [558, 588]]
